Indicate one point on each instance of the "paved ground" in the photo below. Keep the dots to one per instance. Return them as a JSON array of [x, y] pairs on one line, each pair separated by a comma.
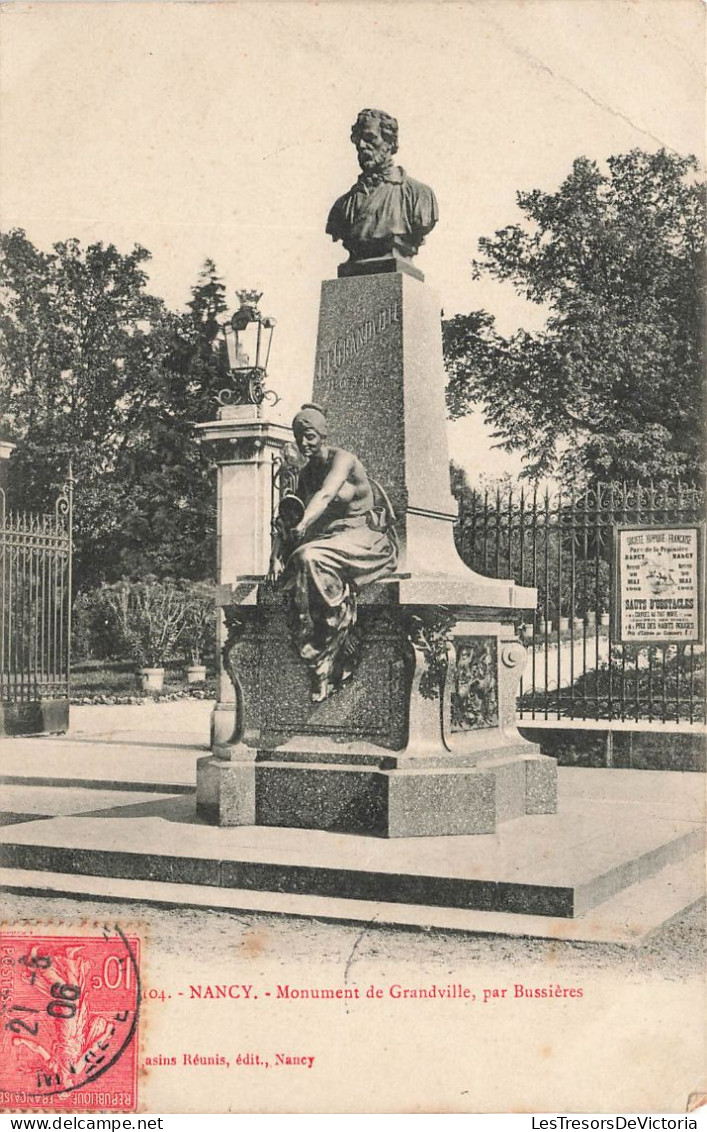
[[126, 744], [122, 761], [633, 1043], [677, 952]]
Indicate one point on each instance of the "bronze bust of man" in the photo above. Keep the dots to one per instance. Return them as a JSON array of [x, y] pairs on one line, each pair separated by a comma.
[[385, 213]]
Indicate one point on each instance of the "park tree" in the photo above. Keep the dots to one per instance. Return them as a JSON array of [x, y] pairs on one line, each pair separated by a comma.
[[611, 386], [80, 361], [77, 357], [95, 369], [169, 513], [207, 304]]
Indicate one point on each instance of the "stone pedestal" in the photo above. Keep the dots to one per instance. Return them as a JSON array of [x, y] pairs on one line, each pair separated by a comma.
[[422, 741], [379, 375]]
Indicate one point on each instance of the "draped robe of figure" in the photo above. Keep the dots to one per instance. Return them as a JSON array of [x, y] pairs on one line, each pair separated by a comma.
[[349, 546]]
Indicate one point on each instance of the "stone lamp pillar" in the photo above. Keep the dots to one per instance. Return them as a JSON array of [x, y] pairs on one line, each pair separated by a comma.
[[6, 449], [247, 449]]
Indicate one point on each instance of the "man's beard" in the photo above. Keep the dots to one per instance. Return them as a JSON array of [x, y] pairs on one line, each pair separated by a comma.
[[373, 174]]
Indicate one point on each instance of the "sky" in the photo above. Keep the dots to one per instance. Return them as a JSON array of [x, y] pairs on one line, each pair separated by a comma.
[[222, 130]]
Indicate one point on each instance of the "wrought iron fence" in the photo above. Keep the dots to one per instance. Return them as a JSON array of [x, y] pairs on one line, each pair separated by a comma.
[[561, 543], [35, 602]]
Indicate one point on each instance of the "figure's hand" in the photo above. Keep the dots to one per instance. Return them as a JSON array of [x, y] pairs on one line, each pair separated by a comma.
[[297, 533], [275, 572]]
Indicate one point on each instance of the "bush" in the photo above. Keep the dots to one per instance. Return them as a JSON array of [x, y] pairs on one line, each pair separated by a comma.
[[644, 683], [113, 682], [199, 634], [147, 616], [93, 635]]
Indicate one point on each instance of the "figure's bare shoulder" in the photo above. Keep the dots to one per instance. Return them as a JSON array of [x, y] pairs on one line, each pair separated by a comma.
[[341, 457]]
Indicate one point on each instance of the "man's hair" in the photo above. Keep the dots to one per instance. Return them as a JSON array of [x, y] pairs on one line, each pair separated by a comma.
[[388, 127]]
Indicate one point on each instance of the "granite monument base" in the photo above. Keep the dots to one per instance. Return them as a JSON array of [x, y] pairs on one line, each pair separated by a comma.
[[351, 798], [623, 856], [422, 742]]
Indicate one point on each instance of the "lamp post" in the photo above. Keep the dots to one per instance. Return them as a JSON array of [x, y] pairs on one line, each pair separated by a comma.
[[248, 338], [247, 448]]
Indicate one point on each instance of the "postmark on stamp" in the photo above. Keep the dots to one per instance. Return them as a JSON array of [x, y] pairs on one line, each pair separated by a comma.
[[69, 1007]]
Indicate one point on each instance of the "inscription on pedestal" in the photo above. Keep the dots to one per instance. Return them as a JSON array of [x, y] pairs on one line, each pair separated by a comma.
[[331, 359]]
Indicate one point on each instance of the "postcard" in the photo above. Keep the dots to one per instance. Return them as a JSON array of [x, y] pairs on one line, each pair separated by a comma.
[[432, 842]]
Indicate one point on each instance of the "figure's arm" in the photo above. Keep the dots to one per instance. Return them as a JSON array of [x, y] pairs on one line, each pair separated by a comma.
[[336, 222], [423, 212], [341, 469], [277, 557], [282, 538]]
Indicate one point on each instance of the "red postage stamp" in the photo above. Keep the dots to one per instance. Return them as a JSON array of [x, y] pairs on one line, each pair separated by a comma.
[[69, 1007]]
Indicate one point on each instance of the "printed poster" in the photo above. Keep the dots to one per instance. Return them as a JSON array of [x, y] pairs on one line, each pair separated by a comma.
[[659, 584]]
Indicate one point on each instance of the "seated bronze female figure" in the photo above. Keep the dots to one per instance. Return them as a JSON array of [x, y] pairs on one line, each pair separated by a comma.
[[337, 537]]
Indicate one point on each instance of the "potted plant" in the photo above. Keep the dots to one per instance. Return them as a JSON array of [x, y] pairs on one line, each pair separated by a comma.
[[149, 616], [598, 590], [603, 611], [199, 626]]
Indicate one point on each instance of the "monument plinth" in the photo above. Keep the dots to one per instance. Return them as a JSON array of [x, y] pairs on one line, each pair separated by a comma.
[[387, 705]]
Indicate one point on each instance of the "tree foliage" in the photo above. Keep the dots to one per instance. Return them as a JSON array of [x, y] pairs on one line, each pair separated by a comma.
[[169, 513], [611, 386], [96, 369]]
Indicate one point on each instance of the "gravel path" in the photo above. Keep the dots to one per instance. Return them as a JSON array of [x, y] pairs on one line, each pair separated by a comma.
[[677, 951]]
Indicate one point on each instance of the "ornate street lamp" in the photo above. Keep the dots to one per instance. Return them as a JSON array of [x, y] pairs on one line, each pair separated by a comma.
[[248, 338]]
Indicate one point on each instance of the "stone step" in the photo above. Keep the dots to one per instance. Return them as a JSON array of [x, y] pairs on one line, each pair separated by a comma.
[[628, 918], [89, 782], [558, 865]]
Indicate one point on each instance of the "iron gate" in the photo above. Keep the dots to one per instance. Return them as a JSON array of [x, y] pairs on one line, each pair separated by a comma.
[[35, 616]]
